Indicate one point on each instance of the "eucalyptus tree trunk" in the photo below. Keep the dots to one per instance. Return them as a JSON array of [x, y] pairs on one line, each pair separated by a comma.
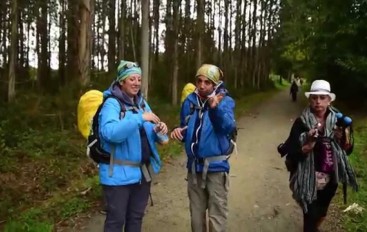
[[43, 73], [13, 50], [21, 42], [145, 45], [249, 44], [111, 36], [213, 29], [244, 45], [200, 30], [72, 40], [219, 54], [237, 46], [121, 43], [85, 39], [62, 39], [254, 47], [225, 35], [102, 50], [259, 53], [176, 5], [156, 4]]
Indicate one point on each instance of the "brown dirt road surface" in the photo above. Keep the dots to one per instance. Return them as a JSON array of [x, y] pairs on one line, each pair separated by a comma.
[[259, 198]]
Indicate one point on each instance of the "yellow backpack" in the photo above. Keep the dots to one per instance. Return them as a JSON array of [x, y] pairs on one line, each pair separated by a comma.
[[87, 108], [188, 88]]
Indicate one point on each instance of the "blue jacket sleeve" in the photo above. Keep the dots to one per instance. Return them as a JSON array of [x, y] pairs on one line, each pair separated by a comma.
[[222, 116], [112, 128]]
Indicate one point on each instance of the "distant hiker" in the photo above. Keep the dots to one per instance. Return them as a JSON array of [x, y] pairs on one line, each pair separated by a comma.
[[129, 131], [206, 125], [319, 154], [294, 90]]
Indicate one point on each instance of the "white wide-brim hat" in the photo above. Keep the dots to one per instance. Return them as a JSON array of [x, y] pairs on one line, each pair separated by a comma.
[[320, 87]]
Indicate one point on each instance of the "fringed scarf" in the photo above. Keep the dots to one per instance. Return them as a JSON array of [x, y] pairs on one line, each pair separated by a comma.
[[303, 182]]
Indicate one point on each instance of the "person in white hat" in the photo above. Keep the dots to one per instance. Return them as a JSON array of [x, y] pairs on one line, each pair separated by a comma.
[[318, 156]]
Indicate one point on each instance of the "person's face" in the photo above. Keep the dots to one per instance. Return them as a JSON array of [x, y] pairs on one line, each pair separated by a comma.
[[204, 86], [131, 85], [319, 103]]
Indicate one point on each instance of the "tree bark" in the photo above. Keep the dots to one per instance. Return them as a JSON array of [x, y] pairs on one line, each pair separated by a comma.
[[86, 13], [62, 39], [43, 73], [13, 50], [200, 31], [122, 30], [72, 40], [145, 47], [176, 5], [111, 37], [156, 4]]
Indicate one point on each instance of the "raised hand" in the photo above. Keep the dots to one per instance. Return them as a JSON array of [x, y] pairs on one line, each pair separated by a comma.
[[214, 101]]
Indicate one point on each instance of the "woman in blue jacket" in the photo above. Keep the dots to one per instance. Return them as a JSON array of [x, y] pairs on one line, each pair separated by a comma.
[[129, 131]]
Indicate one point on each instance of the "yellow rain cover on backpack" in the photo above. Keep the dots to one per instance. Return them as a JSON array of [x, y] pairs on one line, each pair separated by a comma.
[[87, 107], [188, 88]]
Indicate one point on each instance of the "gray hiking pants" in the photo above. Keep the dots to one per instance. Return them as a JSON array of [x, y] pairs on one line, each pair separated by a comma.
[[211, 199]]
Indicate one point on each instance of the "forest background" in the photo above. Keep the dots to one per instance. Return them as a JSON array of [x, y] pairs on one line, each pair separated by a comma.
[[52, 51]]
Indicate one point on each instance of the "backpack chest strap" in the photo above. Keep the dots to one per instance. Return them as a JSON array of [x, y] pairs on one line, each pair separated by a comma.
[[146, 171], [204, 174]]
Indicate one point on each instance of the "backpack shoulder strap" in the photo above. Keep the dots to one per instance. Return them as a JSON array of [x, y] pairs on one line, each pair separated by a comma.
[[122, 105], [191, 112]]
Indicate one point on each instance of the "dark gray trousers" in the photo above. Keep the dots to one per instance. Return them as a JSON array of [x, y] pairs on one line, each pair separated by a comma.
[[125, 206]]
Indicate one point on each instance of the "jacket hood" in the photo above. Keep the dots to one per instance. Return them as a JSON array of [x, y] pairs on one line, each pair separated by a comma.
[[115, 90]]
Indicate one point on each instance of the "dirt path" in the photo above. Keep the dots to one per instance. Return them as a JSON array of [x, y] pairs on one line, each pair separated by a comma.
[[259, 198]]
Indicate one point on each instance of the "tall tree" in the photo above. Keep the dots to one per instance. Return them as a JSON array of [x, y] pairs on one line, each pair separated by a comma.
[[200, 29], [156, 4], [43, 73], [145, 45], [176, 5], [13, 50], [122, 30], [85, 39], [62, 39], [111, 36], [72, 40]]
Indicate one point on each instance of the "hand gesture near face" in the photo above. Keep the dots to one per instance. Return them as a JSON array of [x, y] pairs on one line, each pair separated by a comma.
[[215, 100]]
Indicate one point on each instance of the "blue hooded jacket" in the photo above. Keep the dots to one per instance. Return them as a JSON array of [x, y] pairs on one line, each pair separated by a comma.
[[208, 130], [122, 131]]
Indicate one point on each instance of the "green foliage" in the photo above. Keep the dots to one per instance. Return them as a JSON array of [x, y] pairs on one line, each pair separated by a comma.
[[29, 226], [358, 222], [325, 39], [73, 207]]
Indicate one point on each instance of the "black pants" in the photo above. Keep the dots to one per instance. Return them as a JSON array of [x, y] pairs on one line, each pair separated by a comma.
[[318, 209], [125, 206]]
